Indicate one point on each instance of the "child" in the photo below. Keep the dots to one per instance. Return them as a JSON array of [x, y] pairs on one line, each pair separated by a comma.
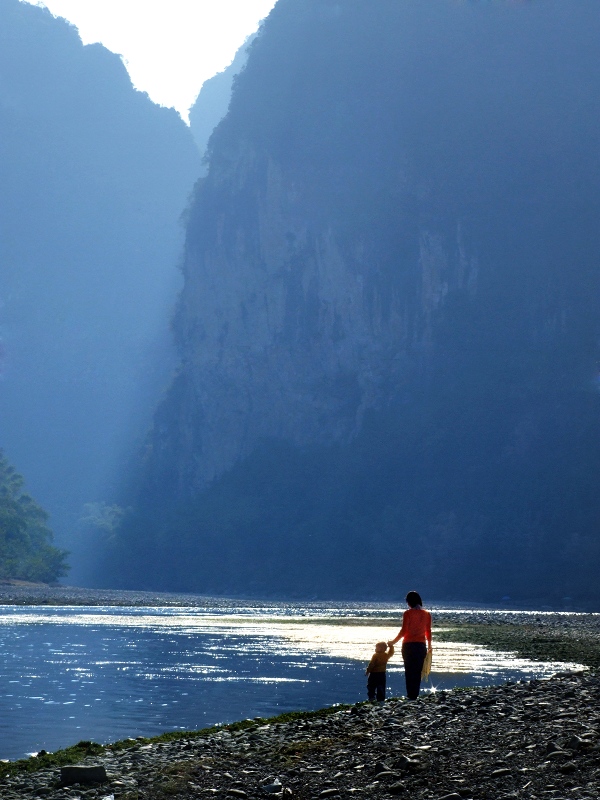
[[376, 671]]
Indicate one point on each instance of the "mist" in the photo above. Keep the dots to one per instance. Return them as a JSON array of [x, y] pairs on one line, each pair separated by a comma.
[[94, 179]]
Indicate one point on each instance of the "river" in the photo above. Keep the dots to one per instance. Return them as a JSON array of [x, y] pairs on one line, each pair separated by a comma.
[[107, 673]]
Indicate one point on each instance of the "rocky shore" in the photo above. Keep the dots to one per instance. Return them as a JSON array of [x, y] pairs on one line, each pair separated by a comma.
[[22, 593], [527, 740]]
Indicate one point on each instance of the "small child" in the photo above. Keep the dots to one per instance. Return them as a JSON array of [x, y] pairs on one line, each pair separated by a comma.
[[376, 671]]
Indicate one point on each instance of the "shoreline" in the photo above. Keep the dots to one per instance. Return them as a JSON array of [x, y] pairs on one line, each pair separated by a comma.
[[528, 740], [17, 592], [518, 740], [572, 637]]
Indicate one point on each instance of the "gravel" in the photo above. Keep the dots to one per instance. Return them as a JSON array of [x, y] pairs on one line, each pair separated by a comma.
[[527, 740]]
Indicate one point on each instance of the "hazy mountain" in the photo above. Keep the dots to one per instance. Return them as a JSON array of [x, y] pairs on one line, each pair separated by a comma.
[[390, 324], [93, 180], [212, 102]]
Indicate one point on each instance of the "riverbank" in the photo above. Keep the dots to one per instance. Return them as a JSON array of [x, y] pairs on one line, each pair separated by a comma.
[[22, 593], [535, 740]]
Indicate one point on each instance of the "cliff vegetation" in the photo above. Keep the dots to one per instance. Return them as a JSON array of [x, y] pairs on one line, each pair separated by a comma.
[[26, 550]]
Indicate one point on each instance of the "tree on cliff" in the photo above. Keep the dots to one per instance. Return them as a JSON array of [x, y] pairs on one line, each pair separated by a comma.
[[26, 551]]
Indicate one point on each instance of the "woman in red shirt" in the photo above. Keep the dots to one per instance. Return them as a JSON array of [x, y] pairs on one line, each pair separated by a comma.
[[416, 638]]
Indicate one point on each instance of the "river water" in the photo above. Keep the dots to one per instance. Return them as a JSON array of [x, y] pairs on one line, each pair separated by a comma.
[[107, 673]]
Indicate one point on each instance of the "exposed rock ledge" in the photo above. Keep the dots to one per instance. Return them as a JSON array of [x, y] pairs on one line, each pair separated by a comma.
[[527, 740]]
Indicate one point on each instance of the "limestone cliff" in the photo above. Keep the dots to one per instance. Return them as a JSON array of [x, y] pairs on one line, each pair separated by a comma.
[[284, 334], [212, 102], [392, 265]]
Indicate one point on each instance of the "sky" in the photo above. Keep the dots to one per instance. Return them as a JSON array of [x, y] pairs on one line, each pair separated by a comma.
[[170, 47]]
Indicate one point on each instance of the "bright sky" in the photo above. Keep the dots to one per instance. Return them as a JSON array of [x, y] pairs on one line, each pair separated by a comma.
[[170, 47]]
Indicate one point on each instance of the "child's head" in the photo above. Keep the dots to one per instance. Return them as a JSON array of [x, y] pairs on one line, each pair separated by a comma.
[[380, 647]]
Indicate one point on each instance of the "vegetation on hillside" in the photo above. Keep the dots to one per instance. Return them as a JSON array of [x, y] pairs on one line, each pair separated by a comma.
[[26, 552]]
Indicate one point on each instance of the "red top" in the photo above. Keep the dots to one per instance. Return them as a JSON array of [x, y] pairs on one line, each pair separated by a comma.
[[416, 626]]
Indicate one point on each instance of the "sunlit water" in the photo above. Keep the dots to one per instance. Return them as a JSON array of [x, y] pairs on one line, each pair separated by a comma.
[[109, 673]]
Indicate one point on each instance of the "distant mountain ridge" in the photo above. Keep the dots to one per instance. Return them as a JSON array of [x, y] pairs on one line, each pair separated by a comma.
[[389, 329], [93, 180]]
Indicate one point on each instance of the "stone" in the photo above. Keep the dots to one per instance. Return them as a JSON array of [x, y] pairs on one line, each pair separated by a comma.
[[499, 773], [84, 775], [568, 768], [574, 743], [558, 755], [273, 788]]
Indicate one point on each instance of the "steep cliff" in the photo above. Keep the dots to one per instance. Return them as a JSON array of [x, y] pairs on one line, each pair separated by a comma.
[[212, 102], [390, 319], [93, 180]]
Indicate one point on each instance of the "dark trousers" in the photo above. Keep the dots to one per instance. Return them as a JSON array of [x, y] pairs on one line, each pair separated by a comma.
[[376, 685], [413, 654]]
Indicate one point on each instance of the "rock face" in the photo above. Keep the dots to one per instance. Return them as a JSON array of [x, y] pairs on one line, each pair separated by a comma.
[[392, 264], [212, 102]]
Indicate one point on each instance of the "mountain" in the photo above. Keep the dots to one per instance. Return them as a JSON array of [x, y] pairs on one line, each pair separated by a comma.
[[390, 323], [212, 102], [93, 180]]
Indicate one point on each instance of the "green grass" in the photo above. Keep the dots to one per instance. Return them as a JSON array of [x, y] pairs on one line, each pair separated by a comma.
[[76, 753]]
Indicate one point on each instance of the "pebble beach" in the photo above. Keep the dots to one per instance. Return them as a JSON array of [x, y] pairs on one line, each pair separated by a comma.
[[532, 740]]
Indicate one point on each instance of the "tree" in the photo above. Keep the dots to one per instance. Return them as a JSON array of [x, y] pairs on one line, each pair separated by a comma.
[[26, 552]]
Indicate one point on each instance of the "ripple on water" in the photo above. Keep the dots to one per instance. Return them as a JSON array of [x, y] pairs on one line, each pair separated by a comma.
[[108, 673]]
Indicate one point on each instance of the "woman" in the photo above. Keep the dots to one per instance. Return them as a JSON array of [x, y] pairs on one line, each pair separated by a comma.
[[416, 638]]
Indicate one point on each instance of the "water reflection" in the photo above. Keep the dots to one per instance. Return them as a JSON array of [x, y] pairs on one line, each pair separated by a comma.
[[104, 674]]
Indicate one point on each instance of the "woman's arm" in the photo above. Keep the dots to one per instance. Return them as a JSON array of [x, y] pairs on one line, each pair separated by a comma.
[[428, 632], [401, 632]]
